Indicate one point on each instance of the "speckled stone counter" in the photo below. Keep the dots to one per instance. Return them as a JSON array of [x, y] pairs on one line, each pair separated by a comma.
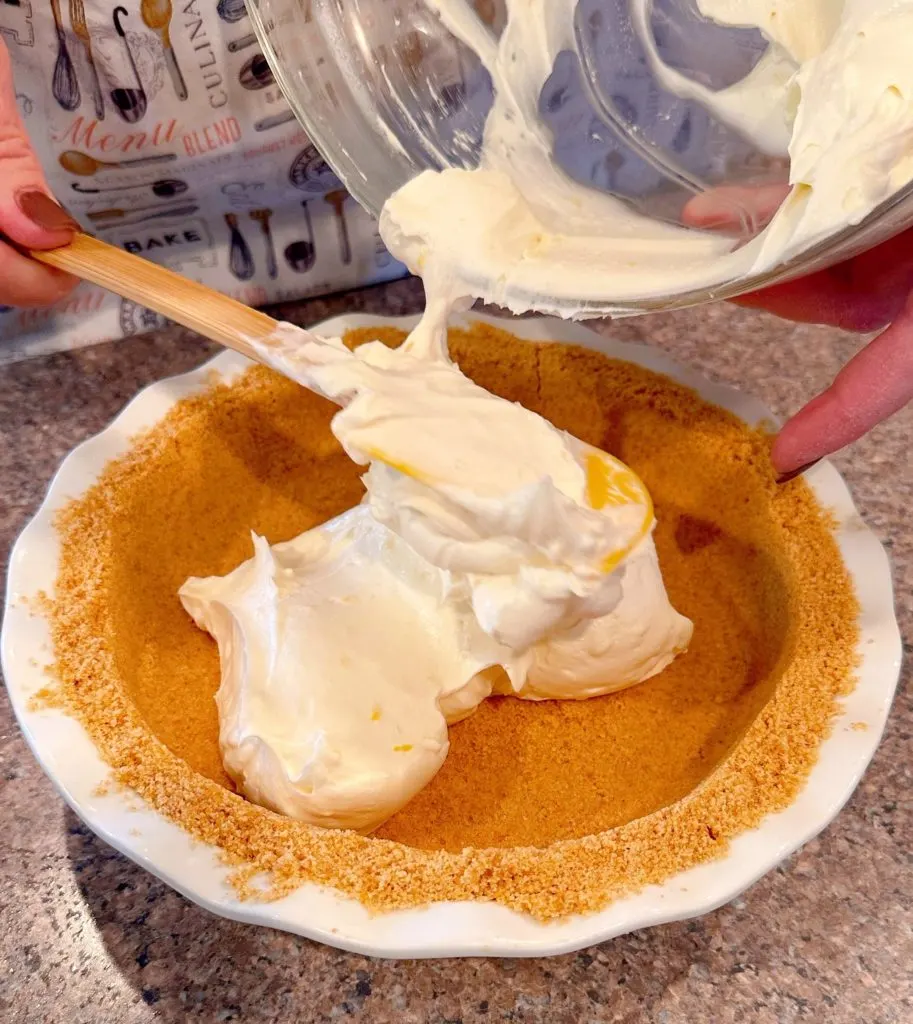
[[86, 936]]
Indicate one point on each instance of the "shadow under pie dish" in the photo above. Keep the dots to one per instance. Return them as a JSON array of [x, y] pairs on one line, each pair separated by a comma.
[[562, 822]]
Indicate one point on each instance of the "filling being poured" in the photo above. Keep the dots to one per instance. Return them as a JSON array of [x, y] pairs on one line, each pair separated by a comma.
[[833, 94], [492, 552]]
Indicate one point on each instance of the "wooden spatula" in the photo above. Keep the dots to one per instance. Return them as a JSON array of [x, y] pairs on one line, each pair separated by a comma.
[[202, 309]]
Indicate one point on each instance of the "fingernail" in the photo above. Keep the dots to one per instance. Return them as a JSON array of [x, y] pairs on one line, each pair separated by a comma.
[[42, 210], [784, 478]]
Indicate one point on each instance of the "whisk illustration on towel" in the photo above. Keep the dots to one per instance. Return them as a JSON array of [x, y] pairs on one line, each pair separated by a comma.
[[64, 84], [156, 15], [240, 258]]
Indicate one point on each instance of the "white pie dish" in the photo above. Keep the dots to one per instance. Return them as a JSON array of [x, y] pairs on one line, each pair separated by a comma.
[[448, 929]]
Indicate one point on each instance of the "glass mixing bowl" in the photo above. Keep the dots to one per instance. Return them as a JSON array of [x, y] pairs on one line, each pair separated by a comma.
[[385, 91]]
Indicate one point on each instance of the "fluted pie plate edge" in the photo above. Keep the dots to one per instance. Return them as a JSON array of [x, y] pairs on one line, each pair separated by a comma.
[[70, 759]]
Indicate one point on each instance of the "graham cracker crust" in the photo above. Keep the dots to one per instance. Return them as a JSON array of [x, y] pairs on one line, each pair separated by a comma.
[[550, 808]]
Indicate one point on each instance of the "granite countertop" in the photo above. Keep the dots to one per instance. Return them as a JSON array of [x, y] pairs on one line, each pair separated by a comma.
[[86, 936]]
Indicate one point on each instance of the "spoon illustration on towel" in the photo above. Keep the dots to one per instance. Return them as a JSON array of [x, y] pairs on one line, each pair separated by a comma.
[[173, 214], [263, 218], [167, 188], [64, 84], [337, 199], [123, 218], [140, 213], [131, 103], [85, 166], [156, 15]]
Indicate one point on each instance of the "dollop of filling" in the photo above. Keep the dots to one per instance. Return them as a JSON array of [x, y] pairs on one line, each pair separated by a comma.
[[493, 553]]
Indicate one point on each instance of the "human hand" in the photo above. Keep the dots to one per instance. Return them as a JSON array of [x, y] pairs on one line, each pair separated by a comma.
[[29, 217], [871, 292]]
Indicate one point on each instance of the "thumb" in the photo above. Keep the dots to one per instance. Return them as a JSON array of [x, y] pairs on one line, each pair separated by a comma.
[[28, 214], [870, 388]]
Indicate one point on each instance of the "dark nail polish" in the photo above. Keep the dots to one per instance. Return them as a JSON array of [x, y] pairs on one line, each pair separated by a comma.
[[785, 478], [42, 210]]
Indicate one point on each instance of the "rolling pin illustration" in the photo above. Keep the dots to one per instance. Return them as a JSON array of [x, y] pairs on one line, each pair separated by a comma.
[[274, 121], [263, 218], [64, 83], [130, 102], [81, 31], [236, 45], [85, 166], [167, 188], [156, 14], [240, 259], [337, 199], [302, 254]]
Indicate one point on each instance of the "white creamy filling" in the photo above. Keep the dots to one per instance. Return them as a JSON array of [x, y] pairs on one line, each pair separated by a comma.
[[493, 553], [342, 664], [835, 89]]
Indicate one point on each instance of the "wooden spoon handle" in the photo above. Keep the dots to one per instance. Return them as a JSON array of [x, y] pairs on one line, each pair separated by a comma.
[[202, 309]]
